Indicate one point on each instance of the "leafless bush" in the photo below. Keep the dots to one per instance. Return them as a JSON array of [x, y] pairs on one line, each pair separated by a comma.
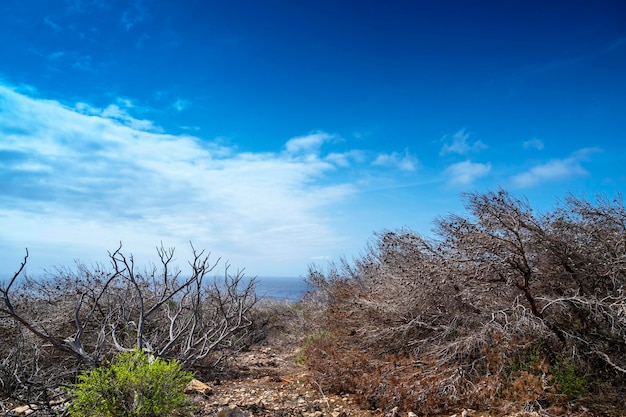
[[76, 318], [280, 323], [469, 306]]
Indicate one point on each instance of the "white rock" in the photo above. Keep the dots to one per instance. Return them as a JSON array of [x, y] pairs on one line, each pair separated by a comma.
[[24, 410]]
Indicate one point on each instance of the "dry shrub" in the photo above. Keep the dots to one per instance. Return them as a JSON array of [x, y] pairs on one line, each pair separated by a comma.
[[280, 323], [431, 324], [385, 382], [75, 319], [481, 370]]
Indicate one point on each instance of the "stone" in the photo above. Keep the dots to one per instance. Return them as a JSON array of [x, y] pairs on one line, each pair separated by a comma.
[[196, 386], [24, 410], [233, 411], [393, 413]]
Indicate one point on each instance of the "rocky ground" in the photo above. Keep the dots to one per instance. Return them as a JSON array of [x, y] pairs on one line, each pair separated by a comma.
[[266, 381]]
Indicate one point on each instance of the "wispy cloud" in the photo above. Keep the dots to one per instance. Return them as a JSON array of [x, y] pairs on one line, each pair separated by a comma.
[[554, 170], [180, 104], [57, 55], [62, 60], [70, 173], [83, 63], [466, 172], [52, 25], [533, 143], [459, 143], [136, 13], [560, 63], [139, 42], [85, 6], [119, 112], [403, 162]]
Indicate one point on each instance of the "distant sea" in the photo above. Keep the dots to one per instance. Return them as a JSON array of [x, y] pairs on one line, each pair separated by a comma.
[[281, 288]]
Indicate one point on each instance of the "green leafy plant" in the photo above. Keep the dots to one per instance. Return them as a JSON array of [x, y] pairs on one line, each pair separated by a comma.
[[134, 384], [567, 375]]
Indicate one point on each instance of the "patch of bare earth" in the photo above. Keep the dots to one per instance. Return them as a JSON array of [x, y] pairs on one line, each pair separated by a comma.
[[266, 381]]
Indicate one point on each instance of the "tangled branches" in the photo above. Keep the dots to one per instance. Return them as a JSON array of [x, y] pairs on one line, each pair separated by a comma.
[[499, 295], [75, 318]]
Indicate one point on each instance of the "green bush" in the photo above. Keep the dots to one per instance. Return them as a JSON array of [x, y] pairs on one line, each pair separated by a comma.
[[132, 385], [567, 374]]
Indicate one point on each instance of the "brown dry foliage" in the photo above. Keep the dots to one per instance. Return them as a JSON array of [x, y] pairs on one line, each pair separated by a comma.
[[504, 305]]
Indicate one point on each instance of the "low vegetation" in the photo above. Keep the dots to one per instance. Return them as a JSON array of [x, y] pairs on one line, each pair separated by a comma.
[[504, 305], [503, 309], [134, 384], [54, 329]]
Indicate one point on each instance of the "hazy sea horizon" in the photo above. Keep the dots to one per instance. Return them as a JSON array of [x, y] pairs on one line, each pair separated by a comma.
[[281, 288]]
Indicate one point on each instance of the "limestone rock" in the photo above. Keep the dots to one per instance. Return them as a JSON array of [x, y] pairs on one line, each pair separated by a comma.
[[199, 387], [24, 410], [233, 411]]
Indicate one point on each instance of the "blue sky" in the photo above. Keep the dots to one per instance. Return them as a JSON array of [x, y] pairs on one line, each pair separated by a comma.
[[277, 134]]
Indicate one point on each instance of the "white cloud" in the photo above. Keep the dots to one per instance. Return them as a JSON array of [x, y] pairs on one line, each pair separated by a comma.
[[533, 143], [344, 159], [466, 172], [403, 162], [119, 112], [85, 178], [458, 143], [557, 169], [308, 144]]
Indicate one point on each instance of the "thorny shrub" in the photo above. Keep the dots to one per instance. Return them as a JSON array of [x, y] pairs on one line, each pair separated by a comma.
[[503, 304]]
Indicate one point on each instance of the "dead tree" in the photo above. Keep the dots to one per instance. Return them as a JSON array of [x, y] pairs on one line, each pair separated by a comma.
[[75, 318]]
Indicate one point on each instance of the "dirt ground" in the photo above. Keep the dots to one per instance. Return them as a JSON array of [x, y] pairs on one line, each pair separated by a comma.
[[267, 381]]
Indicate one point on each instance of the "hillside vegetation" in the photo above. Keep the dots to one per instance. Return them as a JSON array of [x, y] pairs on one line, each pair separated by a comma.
[[504, 309], [505, 306]]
